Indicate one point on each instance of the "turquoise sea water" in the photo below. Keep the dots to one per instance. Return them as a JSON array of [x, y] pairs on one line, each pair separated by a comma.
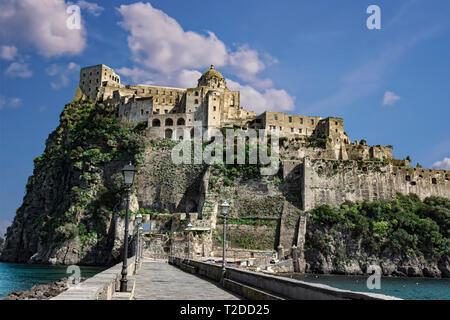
[[14, 276], [405, 288]]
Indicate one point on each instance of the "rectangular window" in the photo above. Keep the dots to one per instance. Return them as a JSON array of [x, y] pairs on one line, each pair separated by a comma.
[[281, 128], [292, 129], [214, 108], [312, 121], [166, 111], [301, 120], [300, 130], [275, 117], [290, 119]]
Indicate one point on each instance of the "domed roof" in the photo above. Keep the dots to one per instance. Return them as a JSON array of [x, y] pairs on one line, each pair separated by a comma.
[[212, 73]]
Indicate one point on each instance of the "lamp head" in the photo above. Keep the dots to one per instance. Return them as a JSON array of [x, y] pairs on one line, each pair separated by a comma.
[[139, 218], [224, 208], [128, 172]]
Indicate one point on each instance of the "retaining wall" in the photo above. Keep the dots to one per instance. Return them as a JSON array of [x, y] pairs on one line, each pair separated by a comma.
[[255, 285]]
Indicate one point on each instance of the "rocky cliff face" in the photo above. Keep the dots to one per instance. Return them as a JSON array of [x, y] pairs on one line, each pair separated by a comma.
[[72, 204]]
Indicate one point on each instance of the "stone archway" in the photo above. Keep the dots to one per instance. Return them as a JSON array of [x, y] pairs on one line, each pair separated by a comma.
[[156, 123]]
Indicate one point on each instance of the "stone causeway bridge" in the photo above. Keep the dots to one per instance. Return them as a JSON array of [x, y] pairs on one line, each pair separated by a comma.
[[183, 279]]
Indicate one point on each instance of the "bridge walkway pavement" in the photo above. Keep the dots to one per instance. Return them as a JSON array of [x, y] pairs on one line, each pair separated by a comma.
[[158, 280]]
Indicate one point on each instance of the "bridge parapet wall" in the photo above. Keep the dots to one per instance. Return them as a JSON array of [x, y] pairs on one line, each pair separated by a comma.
[[269, 286], [102, 286]]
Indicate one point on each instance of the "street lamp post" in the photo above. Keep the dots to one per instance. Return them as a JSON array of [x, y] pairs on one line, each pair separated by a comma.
[[138, 222], [224, 208], [128, 172], [189, 227], [141, 247]]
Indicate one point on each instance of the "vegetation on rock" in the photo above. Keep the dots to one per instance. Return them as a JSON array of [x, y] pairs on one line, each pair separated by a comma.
[[76, 182], [404, 227]]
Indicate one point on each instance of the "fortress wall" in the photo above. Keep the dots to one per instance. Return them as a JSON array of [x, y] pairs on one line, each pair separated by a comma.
[[359, 151], [136, 111], [334, 182], [423, 182]]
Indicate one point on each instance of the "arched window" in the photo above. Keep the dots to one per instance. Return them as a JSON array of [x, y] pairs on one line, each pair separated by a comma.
[[168, 134], [180, 122], [169, 122], [156, 123], [196, 93], [196, 101]]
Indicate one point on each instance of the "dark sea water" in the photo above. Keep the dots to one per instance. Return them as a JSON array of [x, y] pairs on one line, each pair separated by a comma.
[[14, 276], [405, 288]]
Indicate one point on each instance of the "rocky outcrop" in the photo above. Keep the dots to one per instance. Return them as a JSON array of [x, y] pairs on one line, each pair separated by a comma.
[[41, 292], [72, 210], [346, 255]]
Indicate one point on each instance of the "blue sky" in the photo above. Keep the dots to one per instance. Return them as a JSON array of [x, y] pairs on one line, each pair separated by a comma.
[[391, 86]]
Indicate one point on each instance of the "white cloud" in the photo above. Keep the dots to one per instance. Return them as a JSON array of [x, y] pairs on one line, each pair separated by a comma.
[[170, 56], [180, 79], [41, 24], [269, 99], [444, 164], [91, 7], [12, 103], [8, 52], [245, 61], [390, 98], [160, 43], [137, 75], [17, 69], [62, 74]]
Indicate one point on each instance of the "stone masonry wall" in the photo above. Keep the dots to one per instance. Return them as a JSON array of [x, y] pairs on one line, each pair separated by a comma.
[[334, 182]]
